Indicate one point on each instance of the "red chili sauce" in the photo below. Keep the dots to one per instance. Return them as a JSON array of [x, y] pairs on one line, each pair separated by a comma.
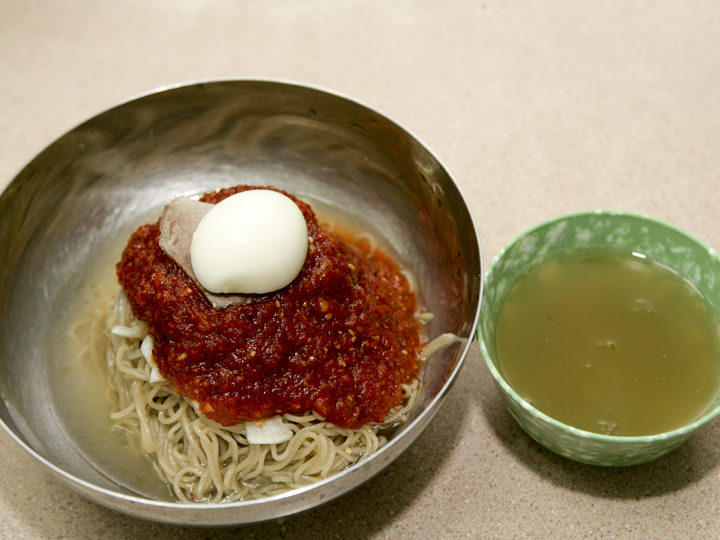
[[339, 340]]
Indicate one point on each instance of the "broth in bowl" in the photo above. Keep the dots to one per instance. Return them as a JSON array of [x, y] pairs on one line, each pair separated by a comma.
[[610, 342], [601, 330]]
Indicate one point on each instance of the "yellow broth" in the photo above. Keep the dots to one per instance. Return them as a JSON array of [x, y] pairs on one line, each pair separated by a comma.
[[609, 342]]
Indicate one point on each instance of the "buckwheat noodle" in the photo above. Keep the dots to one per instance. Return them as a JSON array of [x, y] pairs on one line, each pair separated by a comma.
[[205, 462]]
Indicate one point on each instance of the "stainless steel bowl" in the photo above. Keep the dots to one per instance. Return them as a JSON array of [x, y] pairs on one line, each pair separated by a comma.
[[67, 214]]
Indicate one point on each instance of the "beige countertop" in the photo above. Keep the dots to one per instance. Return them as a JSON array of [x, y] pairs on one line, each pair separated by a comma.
[[537, 108]]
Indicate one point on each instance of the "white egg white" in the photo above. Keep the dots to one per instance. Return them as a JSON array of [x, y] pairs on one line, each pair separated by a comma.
[[253, 242]]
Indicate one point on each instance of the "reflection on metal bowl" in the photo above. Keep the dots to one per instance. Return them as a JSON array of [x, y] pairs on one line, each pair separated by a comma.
[[67, 214]]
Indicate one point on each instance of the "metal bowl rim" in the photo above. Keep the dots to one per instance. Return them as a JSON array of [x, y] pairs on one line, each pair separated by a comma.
[[407, 429]]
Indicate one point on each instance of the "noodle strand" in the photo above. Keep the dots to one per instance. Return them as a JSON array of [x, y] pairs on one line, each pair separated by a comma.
[[202, 461]]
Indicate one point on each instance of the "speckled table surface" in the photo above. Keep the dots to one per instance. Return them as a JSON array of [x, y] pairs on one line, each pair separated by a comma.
[[537, 108]]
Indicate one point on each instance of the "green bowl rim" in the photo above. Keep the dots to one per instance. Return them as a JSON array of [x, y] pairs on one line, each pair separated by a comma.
[[686, 430]]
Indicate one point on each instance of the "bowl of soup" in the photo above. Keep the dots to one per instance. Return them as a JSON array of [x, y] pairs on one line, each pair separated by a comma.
[[601, 329], [91, 305]]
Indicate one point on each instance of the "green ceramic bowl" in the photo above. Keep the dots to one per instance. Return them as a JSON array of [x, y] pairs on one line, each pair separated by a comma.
[[665, 243]]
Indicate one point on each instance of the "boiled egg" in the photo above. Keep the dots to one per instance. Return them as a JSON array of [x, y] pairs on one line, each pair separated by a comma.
[[252, 242]]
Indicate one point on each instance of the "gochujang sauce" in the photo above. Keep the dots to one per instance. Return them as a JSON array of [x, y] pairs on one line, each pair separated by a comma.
[[340, 340]]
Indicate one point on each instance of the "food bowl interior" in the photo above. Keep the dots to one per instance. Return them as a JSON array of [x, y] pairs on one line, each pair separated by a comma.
[[661, 242], [67, 215]]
